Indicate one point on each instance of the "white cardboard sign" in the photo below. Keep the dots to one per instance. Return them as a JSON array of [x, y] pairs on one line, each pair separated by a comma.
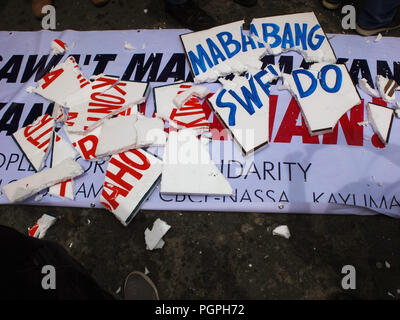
[[62, 81], [188, 168], [381, 119], [300, 32], [243, 106], [62, 150], [212, 52], [130, 178], [34, 140], [102, 105], [324, 92]]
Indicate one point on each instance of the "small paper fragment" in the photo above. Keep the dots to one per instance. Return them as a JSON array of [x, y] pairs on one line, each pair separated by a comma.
[[58, 47], [154, 236], [378, 37], [42, 225], [128, 46], [282, 231], [364, 86]]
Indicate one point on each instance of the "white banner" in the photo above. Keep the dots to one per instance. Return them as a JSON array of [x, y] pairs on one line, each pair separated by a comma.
[[345, 172]]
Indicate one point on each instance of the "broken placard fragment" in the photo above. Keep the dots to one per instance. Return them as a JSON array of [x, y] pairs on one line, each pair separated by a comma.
[[58, 47], [324, 93], [364, 86], [164, 97], [117, 135], [130, 178], [300, 32], [62, 150], [103, 105], [387, 88], [35, 139], [381, 119], [98, 84], [153, 237], [58, 113], [243, 106], [85, 144], [42, 225], [150, 131], [24, 188], [212, 52], [62, 81], [188, 168], [182, 97]]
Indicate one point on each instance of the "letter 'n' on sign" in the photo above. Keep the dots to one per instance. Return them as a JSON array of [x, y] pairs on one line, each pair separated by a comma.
[[300, 32], [243, 106]]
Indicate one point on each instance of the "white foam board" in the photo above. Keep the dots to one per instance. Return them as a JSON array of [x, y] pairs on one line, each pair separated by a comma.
[[324, 93], [102, 105], [62, 150], [381, 119], [24, 188], [243, 106], [211, 48], [63, 80], [130, 178], [85, 144], [117, 135], [153, 237], [300, 32], [164, 96], [387, 88], [34, 140], [150, 131], [188, 169]]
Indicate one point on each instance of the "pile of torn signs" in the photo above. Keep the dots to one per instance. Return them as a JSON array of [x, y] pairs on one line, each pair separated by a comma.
[[100, 117]]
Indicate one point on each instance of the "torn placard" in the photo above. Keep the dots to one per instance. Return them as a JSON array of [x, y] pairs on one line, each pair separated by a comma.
[[58, 113], [378, 37], [58, 47], [102, 105], [42, 225], [117, 135], [211, 53], [188, 169], [130, 178], [150, 131], [364, 86], [99, 83], [324, 93], [62, 150], [381, 119], [190, 115], [195, 91], [85, 144], [34, 140], [24, 188], [243, 106], [387, 88], [164, 97], [62, 81], [300, 32], [153, 237]]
